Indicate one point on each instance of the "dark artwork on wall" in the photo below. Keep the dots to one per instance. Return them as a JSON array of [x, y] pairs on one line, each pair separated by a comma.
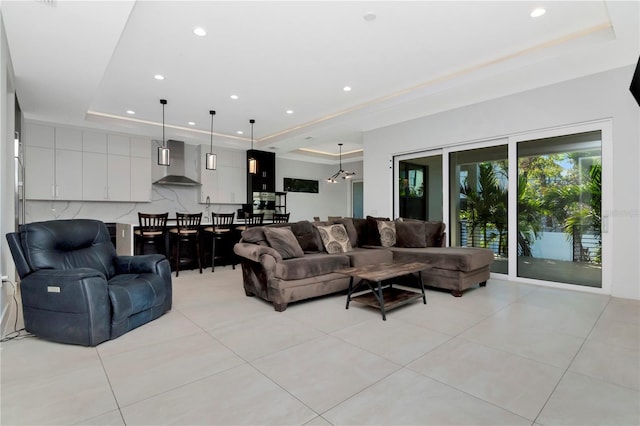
[[300, 185], [635, 83]]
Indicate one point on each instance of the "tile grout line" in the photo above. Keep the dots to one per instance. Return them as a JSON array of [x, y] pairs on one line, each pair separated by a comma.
[[564, 373]]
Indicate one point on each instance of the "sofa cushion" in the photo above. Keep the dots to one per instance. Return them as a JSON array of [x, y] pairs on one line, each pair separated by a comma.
[[311, 265], [434, 232], [363, 257], [351, 230], [387, 230], [410, 234], [335, 238], [307, 236], [373, 235], [255, 235], [453, 258], [283, 241]]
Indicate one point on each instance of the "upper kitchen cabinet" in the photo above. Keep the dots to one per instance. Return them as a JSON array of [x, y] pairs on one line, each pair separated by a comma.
[[73, 164], [227, 184], [53, 158], [264, 180]]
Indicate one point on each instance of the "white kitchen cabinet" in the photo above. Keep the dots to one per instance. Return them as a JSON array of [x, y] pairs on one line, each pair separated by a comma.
[[65, 163], [140, 151], [53, 163], [68, 175], [140, 179], [119, 177], [228, 183], [40, 173], [94, 177]]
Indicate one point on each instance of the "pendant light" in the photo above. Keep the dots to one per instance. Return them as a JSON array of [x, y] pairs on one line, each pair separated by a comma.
[[163, 151], [340, 173], [253, 163], [211, 160]]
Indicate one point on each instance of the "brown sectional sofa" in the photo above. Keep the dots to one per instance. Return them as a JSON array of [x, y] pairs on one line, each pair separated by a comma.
[[277, 272]]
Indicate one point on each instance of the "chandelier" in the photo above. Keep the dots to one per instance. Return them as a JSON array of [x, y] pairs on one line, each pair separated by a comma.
[[340, 173]]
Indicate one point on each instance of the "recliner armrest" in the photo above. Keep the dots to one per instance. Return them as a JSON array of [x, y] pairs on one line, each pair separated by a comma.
[[148, 263]]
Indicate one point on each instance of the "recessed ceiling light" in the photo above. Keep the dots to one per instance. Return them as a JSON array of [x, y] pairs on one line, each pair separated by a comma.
[[192, 123], [159, 77], [234, 96], [289, 111], [538, 11], [347, 88], [240, 132], [369, 16], [130, 112], [199, 31]]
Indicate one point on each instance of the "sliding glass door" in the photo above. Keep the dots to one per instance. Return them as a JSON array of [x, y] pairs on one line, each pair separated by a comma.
[[559, 209], [478, 185]]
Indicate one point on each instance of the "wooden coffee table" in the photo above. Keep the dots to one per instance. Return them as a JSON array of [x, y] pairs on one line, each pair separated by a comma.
[[383, 295]]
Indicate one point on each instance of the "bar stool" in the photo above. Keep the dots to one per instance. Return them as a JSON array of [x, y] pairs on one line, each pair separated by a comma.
[[281, 217], [251, 219], [187, 232], [152, 233], [222, 231]]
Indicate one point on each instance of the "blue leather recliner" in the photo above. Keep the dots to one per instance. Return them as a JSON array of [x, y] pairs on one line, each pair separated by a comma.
[[74, 287]]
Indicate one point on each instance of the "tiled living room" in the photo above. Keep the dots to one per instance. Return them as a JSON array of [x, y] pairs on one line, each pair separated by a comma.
[[347, 99], [504, 354]]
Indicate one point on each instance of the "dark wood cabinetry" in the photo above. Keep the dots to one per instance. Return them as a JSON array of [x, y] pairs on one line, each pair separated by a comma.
[[265, 178]]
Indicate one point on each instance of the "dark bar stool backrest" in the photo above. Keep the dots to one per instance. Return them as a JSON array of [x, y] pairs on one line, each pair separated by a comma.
[[255, 219], [281, 217], [222, 222], [152, 224], [188, 223]]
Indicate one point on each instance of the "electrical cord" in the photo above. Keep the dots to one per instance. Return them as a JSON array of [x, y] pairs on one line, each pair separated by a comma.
[[15, 334]]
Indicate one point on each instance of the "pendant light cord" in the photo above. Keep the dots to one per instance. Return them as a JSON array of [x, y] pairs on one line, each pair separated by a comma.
[[163, 102], [252, 121], [212, 114]]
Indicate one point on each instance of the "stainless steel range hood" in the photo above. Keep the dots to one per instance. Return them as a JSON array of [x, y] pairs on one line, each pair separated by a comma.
[[175, 174]]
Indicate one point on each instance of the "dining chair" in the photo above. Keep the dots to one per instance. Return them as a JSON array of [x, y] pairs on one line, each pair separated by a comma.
[[281, 217], [152, 232], [221, 232], [187, 233]]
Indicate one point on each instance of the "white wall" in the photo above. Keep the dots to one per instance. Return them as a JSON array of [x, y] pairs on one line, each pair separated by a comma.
[[600, 96], [7, 102], [332, 199]]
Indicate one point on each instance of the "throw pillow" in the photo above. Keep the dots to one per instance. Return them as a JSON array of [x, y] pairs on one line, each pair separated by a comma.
[[283, 241], [335, 238], [387, 230], [351, 229], [307, 236], [373, 236], [433, 233], [410, 234]]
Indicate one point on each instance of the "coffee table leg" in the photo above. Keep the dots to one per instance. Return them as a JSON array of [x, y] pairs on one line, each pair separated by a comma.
[[349, 292], [381, 301], [424, 297]]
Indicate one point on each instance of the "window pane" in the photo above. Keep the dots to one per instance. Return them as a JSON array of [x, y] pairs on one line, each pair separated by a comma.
[[559, 205], [420, 188], [479, 197]]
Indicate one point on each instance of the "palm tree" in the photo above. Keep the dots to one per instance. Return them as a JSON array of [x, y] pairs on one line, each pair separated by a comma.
[[530, 213]]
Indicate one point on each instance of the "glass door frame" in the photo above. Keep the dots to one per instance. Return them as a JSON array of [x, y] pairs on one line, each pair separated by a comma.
[[605, 128], [396, 178]]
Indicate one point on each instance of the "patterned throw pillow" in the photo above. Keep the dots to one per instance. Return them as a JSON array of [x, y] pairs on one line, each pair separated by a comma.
[[387, 230], [335, 238]]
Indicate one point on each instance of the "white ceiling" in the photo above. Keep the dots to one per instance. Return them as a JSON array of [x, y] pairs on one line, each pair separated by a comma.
[[87, 62]]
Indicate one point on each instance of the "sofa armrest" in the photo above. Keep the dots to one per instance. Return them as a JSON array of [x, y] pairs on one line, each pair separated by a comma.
[[254, 252]]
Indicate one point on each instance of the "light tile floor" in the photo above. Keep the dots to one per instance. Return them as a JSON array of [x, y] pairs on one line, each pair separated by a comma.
[[507, 354]]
